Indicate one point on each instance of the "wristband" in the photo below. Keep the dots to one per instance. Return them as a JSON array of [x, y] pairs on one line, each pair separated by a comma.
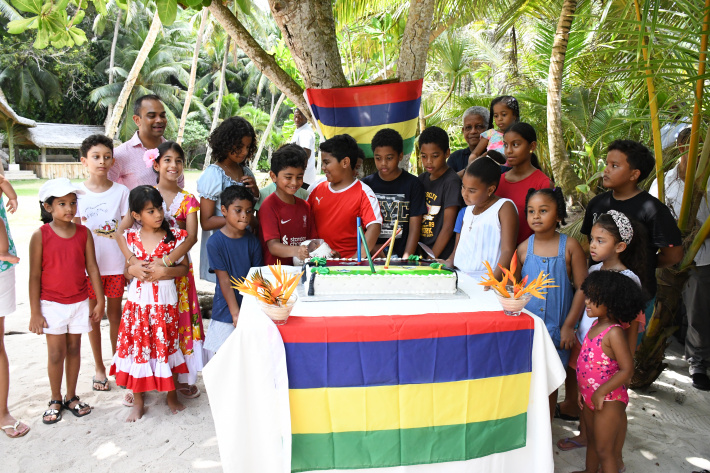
[[167, 263], [128, 261]]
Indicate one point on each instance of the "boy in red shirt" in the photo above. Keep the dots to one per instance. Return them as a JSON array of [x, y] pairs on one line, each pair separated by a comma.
[[285, 219], [336, 204]]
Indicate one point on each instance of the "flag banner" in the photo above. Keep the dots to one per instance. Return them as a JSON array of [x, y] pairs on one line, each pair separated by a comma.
[[362, 111], [369, 392]]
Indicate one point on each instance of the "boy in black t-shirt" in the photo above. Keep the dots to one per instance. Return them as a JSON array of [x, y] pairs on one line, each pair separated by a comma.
[[627, 163], [398, 192], [442, 192]]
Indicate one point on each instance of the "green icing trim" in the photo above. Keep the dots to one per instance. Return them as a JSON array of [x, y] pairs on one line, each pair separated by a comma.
[[414, 258], [424, 271], [318, 261], [436, 265]]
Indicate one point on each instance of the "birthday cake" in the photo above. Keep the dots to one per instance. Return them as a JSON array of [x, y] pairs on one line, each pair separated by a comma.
[[340, 277]]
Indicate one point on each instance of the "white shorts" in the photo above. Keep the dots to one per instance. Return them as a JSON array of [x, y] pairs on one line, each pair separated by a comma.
[[7, 292], [66, 318]]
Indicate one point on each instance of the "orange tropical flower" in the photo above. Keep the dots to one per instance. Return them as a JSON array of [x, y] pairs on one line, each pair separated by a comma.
[[277, 293], [534, 288]]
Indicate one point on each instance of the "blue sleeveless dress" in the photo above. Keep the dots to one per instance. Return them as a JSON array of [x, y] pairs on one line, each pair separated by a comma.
[[554, 309]]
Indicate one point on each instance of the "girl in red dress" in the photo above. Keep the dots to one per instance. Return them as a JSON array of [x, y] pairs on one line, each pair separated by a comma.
[[147, 356]]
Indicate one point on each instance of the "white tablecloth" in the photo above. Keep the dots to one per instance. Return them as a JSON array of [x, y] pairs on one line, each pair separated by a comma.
[[247, 386]]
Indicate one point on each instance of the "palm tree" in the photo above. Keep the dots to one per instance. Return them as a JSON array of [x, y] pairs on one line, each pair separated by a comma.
[[193, 75]]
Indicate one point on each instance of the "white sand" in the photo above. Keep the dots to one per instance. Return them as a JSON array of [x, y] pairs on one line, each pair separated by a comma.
[[669, 424]]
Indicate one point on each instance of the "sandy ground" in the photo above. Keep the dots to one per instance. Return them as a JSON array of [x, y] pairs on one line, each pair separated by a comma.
[[669, 423]]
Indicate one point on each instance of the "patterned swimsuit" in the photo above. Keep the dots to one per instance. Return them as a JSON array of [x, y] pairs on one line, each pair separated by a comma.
[[595, 368]]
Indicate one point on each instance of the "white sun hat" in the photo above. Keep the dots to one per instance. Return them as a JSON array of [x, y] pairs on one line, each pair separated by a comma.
[[58, 188]]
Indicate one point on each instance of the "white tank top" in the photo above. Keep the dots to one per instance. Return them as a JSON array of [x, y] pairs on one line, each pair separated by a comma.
[[480, 239]]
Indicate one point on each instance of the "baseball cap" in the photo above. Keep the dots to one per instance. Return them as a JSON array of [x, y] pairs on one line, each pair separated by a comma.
[[58, 188]]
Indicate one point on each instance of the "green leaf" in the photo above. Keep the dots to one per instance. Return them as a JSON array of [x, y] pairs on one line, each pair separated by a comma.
[[100, 6], [77, 35], [167, 11], [193, 3], [582, 189], [19, 26], [29, 6], [62, 5], [42, 39], [206, 3], [123, 4], [58, 40], [78, 17]]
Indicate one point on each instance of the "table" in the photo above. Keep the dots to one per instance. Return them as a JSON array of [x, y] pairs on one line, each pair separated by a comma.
[[247, 384]]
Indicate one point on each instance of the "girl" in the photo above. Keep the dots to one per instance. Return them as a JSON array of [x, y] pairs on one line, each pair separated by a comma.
[[616, 244], [551, 252], [486, 229], [12, 427], [233, 145], [505, 111], [605, 365], [61, 255], [168, 162], [520, 143], [147, 355]]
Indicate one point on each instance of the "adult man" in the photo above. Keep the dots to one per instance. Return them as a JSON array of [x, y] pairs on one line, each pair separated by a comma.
[[475, 122], [129, 168], [305, 138], [696, 296]]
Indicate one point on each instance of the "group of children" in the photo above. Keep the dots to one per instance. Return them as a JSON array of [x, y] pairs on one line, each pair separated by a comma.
[[496, 201]]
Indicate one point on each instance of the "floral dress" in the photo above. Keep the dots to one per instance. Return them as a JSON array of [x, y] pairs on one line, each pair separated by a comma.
[[595, 368], [190, 332], [147, 352]]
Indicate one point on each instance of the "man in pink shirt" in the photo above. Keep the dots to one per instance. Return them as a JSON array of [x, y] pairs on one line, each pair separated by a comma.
[[129, 168]]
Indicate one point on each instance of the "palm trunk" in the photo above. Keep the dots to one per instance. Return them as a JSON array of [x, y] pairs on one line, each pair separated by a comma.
[[132, 76], [218, 103], [265, 135], [193, 75], [411, 64], [562, 170], [261, 59], [112, 60]]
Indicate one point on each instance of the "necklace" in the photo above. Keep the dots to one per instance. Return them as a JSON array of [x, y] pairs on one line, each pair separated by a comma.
[[475, 216]]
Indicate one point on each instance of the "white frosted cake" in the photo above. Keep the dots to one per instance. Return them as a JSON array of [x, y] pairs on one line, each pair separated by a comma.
[[340, 277]]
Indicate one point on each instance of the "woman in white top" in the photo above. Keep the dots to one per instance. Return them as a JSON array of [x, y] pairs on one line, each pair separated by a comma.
[[487, 229]]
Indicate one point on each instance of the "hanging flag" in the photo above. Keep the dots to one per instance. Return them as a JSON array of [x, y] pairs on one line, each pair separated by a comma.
[[364, 110], [383, 391]]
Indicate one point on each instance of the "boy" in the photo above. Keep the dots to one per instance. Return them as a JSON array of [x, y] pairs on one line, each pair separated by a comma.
[[628, 163], [475, 122], [336, 204], [100, 208], [696, 296], [442, 192], [284, 218], [400, 194], [232, 251]]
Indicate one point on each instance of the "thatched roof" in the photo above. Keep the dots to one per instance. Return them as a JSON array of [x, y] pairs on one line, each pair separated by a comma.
[[7, 112], [57, 135]]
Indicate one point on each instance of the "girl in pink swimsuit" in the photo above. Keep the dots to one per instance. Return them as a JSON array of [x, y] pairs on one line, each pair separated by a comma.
[[605, 365]]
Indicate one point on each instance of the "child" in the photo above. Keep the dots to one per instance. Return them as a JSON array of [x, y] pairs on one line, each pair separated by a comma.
[[232, 252], [271, 188], [505, 111], [627, 164], [61, 254], [442, 196], [475, 122], [12, 427], [336, 204], [617, 244], [233, 145], [563, 259], [400, 194], [147, 356], [605, 365], [100, 207], [487, 228], [285, 219], [520, 144]]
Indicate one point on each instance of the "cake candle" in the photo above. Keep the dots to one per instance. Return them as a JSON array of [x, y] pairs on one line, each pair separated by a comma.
[[399, 230], [367, 250], [359, 224], [394, 233]]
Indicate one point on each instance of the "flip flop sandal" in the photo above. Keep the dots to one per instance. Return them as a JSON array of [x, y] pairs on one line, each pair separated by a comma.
[[126, 402], [103, 383], [575, 444], [192, 392], [77, 408], [53, 412], [560, 415], [15, 428]]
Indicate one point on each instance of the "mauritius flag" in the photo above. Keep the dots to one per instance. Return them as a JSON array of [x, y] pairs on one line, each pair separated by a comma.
[[401, 390], [364, 110]]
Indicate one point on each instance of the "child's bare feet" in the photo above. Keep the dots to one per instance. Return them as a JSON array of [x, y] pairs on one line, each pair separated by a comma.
[[173, 403], [137, 410], [12, 259]]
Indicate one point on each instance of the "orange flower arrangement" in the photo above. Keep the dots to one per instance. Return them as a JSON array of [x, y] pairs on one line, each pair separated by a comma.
[[543, 281], [273, 294]]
